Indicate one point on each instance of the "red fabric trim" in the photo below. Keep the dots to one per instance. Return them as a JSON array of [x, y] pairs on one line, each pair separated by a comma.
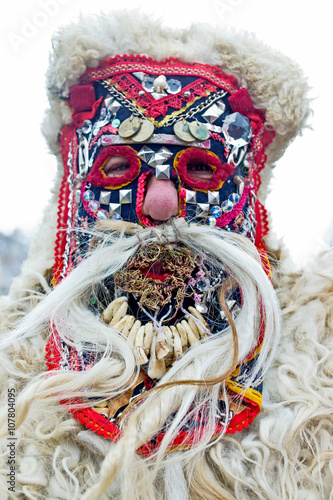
[[243, 419], [169, 66], [226, 218], [221, 171], [263, 226], [104, 130], [97, 423], [62, 214], [98, 178], [139, 200]]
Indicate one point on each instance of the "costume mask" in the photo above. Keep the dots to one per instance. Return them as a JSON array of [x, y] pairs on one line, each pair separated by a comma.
[[161, 144]]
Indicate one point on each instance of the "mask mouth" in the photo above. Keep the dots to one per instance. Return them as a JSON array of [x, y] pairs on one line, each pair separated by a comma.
[[157, 271]]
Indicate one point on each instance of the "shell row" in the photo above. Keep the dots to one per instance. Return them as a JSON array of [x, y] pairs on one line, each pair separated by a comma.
[[158, 348]]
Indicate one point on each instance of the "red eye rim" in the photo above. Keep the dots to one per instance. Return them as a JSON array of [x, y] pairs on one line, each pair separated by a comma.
[[97, 176], [221, 171]]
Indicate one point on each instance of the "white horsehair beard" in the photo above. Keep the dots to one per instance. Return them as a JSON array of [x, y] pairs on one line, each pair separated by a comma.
[[66, 308]]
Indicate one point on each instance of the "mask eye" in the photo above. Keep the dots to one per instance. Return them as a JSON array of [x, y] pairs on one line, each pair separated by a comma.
[[114, 167], [201, 170]]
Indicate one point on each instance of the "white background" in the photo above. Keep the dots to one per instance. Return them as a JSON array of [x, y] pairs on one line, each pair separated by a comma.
[[301, 198]]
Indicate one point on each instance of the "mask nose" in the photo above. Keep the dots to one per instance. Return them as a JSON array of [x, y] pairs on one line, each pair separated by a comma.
[[161, 199]]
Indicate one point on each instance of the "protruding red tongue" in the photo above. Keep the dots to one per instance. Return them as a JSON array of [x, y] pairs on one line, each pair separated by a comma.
[[156, 270]]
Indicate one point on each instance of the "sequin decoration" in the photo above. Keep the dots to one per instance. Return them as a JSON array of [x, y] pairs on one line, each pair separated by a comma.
[[227, 206], [216, 211], [212, 221], [148, 84], [94, 205], [88, 195], [234, 198], [102, 214]]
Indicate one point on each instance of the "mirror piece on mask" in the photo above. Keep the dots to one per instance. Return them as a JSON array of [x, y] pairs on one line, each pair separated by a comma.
[[213, 197], [125, 196], [241, 188], [104, 197], [202, 308], [237, 130], [162, 172], [212, 221], [140, 75], [212, 113], [145, 154], [114, 209], [174, 86], [182, 131], [202, 209], [129, 127], [199, 130], [145, 132], [148, 83], [191, 197]]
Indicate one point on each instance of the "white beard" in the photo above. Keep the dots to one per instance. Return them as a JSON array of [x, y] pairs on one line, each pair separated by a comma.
[[77, 325]]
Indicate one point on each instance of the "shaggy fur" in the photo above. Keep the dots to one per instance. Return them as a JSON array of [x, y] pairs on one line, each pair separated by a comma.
[[287, 452]]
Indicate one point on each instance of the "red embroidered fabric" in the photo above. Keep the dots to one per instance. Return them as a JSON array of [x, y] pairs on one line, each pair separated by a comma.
[[132, 89], [62, 213], [170, 66]]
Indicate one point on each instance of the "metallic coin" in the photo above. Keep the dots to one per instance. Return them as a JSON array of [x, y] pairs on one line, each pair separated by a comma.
[[199, 131], [182, 131], [129, 127], [146, 131]]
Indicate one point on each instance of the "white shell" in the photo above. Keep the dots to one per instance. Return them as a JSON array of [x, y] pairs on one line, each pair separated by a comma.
[[160, 83]]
